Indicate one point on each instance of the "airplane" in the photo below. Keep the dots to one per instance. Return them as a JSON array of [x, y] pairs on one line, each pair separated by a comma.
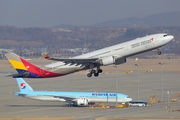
[[73, 98], [115, 54]]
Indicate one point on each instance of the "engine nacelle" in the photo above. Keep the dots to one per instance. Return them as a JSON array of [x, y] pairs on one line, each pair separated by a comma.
[[107, 60], [120, 61], [82, 101]]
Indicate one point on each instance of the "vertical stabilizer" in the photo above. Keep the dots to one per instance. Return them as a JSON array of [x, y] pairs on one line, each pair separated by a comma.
[[23, 67], [26, 69], [23, 86]]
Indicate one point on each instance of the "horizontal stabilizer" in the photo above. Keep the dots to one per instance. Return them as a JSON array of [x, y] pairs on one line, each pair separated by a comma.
[[25, 74], [20, 94]]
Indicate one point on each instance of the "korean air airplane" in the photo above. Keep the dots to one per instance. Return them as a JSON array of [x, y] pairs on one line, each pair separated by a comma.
[[76, 98], [115, 54]]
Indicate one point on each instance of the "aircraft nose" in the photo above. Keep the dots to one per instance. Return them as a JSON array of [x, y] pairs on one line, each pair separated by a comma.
[[130, 99], [171, 37]]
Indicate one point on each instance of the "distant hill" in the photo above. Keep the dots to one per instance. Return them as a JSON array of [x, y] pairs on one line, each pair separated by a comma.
[[156, 20]]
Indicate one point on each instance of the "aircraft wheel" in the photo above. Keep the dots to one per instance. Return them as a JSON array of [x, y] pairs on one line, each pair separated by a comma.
[[100, 71], [96, 74], [159, 52], [89, 74]]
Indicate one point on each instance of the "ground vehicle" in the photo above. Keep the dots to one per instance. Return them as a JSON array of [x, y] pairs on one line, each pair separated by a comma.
[[138, 103]]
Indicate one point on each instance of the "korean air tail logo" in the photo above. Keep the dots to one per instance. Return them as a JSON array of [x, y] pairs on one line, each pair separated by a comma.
[[23, 85]]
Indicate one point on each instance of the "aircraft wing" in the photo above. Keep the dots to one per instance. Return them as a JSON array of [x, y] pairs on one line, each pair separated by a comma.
[[77, 61], [66, 98]]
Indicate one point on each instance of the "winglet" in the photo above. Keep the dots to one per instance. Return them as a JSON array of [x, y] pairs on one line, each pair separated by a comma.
[[46, 57]]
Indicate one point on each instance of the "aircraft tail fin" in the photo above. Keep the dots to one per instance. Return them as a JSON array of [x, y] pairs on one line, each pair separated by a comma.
[[27, 70], [23, 67], [46, 57], [23, 86]]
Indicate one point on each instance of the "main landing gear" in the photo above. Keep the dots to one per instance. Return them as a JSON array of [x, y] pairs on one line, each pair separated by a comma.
[[95, 72], [159, 52]]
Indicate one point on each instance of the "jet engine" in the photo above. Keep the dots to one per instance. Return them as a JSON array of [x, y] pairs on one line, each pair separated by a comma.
[[82, 101], [120, 61], [107, 60]]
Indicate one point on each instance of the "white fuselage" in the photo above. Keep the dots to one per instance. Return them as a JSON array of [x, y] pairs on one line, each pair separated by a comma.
[[119, 51]]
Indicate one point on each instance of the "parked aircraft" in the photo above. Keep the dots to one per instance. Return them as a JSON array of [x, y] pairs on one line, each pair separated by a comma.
[[115, 54], [77, 98]]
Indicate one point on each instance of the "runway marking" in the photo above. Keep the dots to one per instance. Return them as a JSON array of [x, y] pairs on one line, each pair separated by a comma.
[[132, 85], [29, 110], [97, 83]]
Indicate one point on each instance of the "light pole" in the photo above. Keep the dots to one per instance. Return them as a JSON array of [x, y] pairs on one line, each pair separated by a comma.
[[137, 81], [161, 63], [116, 85], [168, 98]]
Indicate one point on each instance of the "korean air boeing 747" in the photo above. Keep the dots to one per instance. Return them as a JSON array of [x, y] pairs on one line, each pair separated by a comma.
[[115, 54], [77, 98]]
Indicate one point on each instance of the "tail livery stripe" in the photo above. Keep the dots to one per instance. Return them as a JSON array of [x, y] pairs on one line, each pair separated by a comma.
[[34, 70], [17, 64]]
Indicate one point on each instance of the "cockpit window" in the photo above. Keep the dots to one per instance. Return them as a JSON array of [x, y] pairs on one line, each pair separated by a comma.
[[128, 97], [165, 35]]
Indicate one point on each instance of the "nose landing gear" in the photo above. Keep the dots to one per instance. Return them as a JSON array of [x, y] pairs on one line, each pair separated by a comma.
[[159, 52]]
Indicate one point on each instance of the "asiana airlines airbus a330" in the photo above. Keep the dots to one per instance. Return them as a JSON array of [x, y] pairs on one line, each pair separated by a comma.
[[115, 54]]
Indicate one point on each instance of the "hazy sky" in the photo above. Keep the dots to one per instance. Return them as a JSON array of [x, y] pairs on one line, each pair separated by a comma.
[[48, 13]]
